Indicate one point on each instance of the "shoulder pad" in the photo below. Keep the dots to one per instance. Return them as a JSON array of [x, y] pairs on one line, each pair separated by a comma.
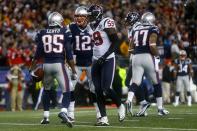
[[109, 23]]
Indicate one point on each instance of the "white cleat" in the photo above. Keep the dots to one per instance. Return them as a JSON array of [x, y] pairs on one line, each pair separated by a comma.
[[163, 112], [175, 104], [143, 109], [103, 121]]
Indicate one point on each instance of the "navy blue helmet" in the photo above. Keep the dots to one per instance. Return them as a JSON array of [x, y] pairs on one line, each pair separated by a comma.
[[132, 18], [95, 13]]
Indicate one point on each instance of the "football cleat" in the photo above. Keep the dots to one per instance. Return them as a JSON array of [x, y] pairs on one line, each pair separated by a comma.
[[103, 121], [143, 109], [129, 108], [121, 112], [71, 119], [141, 115], [163, 112], [175, 104], [65, 119], [45, 121]]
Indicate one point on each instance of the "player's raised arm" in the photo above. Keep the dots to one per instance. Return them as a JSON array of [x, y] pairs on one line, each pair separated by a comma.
[[69, 55], [113, 37]]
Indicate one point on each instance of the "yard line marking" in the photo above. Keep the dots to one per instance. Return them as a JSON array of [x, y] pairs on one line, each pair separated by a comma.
[[132, 120], [175, 118], [92, 126]]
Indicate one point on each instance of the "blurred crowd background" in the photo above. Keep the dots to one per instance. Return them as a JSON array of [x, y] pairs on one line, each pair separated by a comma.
[[20, 19]]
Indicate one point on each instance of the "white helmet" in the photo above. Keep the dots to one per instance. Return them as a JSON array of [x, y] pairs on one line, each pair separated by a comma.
[[81, 15], [81, 10], [183, 53], [55, 19], [148, 17]]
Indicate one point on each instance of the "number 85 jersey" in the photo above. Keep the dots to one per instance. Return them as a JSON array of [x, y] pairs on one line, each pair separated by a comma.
[[101, 39], [53, 44]]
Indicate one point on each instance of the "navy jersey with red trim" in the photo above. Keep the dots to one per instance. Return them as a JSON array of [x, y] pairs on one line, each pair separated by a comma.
[[82, 45], [53, 45], [140, 34], [183, 66]]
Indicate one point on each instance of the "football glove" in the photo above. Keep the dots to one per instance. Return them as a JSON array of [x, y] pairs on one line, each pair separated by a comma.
[[101, 60], [74, 76]]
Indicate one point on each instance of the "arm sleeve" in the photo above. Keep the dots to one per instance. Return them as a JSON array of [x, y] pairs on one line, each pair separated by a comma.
[[40, 49], [68, 48], [113, 37]]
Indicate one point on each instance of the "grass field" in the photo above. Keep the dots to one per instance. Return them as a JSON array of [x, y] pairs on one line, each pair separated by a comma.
[[181, 118]]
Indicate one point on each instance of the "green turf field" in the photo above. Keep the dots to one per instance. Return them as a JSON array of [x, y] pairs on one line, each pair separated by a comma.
[[181, 118]]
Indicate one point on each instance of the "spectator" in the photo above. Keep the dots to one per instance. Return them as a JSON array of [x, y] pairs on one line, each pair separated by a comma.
[[15, 77]]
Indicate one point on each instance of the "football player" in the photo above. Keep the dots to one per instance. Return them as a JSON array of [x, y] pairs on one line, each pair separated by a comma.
[[53, 44], [105, 44], [83, 50], [183, 72], [143, 37]]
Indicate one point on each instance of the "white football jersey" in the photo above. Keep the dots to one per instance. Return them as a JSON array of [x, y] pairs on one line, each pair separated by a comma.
[[100, 38]]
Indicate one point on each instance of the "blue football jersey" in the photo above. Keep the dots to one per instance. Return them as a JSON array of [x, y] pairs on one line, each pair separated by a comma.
[[140, 34], [53, 44], [183, 67], [82, 45]]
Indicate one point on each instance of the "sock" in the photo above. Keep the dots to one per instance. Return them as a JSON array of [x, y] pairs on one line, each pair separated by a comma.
[[98, 114], [130, 96], [159, 102], [177, 98], [66, 100], [189, 99], [46, 100], [64, 110], [46, 114], [71, 109]]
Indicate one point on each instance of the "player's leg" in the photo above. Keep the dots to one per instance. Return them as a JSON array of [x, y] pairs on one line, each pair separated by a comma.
[[150, 70], [137, 74], [96, 72], [63, 80], [47, 84], [186, 83], [72, 83], [92, 92], [179, 85], [107, 76]]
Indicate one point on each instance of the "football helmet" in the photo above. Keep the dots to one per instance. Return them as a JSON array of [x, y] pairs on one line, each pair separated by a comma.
[[132, 18], [95, 13], [55, 19], [148, 17], [80, 16], [182, 54]]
